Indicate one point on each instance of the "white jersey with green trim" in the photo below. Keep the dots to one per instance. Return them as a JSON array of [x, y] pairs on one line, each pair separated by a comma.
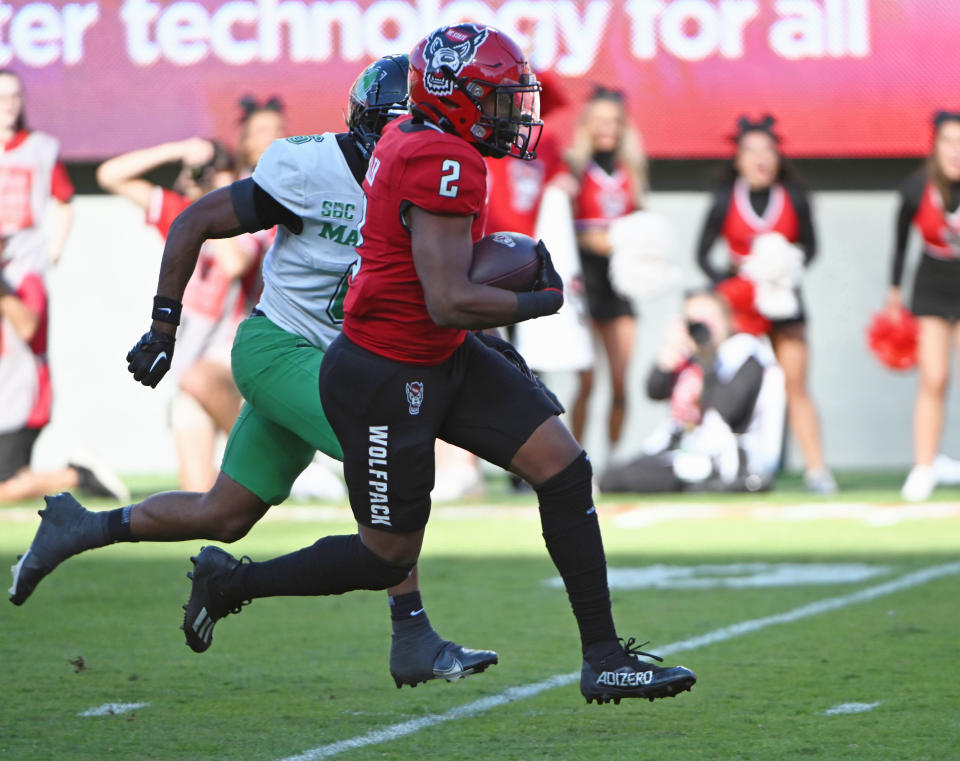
[[305, 275]]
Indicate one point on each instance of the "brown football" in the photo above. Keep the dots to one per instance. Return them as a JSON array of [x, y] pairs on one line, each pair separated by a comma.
[[505, 260]]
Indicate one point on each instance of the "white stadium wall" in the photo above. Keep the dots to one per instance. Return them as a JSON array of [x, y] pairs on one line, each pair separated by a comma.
[[101, 295]]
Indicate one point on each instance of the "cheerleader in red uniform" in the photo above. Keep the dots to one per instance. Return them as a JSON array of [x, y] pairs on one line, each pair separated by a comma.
[[761, 196], [930, 202], [607, 159]]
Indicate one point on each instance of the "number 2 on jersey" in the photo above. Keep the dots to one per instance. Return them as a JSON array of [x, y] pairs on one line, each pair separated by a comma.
[[451, 174]]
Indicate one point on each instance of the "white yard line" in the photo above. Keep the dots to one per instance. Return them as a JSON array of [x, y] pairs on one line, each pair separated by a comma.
[[396, 731], [112, 709], [850, 708]]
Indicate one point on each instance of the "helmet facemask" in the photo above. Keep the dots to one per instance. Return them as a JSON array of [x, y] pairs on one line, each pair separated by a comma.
[[509, 122]]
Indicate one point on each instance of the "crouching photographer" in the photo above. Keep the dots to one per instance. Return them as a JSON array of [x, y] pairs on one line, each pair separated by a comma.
[[727, 404]]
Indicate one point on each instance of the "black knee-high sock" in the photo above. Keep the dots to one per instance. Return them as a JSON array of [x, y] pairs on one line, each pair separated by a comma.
[[332, 566], [572, 534]]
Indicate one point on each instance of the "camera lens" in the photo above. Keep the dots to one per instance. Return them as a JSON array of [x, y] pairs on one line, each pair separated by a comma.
[[699, 332]]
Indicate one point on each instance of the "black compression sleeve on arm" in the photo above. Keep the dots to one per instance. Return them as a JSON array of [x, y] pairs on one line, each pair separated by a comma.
[[910, 195], [258, 210], [660, 383], [538, 303], [736, 398], [801, 204], [711, 231]]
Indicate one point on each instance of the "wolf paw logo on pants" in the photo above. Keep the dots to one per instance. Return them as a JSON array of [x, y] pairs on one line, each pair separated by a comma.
[[415, 396]]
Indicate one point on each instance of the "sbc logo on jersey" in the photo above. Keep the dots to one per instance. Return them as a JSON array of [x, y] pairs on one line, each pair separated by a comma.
[[451, 47], [415, 397]]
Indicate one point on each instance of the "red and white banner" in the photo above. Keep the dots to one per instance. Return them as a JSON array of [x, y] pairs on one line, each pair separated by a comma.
[[843, 77]]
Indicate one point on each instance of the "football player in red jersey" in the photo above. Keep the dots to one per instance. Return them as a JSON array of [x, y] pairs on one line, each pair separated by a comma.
[[930, 201], [760, 196], [406, 371]]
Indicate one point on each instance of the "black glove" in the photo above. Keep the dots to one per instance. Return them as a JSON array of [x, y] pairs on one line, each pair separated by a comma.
[[150, 357], [547, 295], [510, 353], [548, 278]]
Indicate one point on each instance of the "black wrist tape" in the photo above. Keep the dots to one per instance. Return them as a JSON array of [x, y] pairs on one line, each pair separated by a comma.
[[166, 310]]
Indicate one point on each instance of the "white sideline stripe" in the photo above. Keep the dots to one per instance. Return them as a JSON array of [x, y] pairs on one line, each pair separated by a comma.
[[112, 709], [405, 728]]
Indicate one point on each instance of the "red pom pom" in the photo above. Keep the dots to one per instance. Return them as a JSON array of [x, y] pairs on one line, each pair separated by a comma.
[[740, 294], [893, 340]]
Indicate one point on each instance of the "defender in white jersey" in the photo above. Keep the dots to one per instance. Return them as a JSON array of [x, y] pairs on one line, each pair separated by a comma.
[[305, 272], [310, 188]]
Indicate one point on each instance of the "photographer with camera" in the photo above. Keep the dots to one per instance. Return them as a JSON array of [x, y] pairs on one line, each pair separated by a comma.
[[727, 400]]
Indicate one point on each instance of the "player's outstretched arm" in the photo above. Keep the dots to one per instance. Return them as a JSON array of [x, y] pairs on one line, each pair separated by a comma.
[[224, 213], [442, 253], [212, 216]]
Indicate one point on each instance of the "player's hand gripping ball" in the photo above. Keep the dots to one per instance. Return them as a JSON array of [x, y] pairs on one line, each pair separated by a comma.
[[506, 260]]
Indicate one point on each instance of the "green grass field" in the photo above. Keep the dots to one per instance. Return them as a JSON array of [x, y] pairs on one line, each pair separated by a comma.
[[295, 677]]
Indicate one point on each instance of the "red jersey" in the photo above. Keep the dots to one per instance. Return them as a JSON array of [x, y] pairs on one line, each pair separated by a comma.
[[742, 224], [414, 164], [514, 188], [210, 291], [940, 230], [603, 197]]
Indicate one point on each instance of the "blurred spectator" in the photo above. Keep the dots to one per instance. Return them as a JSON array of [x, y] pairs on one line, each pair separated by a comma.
[[607, 161], [223, 290], [726, 409], [930, 201], [761, 204], [26, 395], [534, 199], [260, 124], [32, 179]]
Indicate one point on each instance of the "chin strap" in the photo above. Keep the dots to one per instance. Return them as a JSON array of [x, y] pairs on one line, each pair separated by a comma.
[[364, 142]]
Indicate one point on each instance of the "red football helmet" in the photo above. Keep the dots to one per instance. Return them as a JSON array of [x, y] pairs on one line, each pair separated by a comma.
[[473, 81]]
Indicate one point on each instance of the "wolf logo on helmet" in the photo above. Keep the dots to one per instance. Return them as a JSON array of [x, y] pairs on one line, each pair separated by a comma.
[[449, 49]]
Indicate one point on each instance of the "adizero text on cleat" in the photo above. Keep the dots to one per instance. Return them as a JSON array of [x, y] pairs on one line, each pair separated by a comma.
[[209, 599], [622, 674], [66, 529], [453, 662]]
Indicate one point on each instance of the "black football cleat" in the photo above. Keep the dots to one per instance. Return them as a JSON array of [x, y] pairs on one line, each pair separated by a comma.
[[209, 601], [67, 528], [622, 674], [453, 662]]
